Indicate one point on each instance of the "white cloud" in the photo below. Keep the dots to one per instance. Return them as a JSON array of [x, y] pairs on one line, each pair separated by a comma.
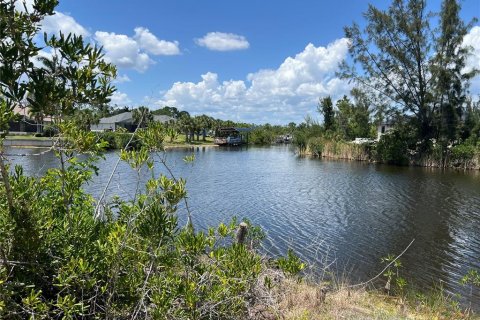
[[150, 43], [472, 39], [220, 41], [22, 4], [128, 52], [123, 51], [54, 23], [62, 22], [122, 78], [120, 99], [279, 95]]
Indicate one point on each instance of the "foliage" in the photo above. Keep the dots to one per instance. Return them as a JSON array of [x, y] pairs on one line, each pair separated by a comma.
[[262, 136], [393, 148], [325, 107], [398, 57], [472, 277], [119, 140], [142, 116], [315, 146], [60, 261], [392, 275], [170, 111], [291, 264]]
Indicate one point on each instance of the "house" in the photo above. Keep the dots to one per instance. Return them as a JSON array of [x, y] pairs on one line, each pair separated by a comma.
[[383, 128], [125, 120], [26, 122], [121, 120]]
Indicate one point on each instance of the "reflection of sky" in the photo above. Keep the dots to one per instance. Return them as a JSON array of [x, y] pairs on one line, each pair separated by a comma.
[[350, 214]]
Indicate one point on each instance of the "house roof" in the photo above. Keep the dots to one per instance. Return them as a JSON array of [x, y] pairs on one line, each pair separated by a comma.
[[121, 117]]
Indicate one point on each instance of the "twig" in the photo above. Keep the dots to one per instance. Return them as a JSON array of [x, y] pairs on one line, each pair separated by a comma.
[[381, 272], [97, 208]]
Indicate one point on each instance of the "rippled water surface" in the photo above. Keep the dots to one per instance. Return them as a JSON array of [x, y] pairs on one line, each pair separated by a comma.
[[349, 214]]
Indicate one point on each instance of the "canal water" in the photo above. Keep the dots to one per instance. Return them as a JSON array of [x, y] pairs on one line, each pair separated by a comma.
[[342, 214]]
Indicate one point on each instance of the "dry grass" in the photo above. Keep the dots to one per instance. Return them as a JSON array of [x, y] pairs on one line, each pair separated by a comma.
[[290, 299]]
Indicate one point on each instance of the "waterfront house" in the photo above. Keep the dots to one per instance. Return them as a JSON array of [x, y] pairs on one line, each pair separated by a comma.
[[113, 123], [25, 122], [124, 120]]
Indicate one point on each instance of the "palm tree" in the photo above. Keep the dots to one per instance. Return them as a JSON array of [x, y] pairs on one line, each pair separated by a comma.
[[185, 123], [206, 123], [142, 116]]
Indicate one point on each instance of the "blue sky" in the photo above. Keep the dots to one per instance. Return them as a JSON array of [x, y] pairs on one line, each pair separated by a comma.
[[254, 61]]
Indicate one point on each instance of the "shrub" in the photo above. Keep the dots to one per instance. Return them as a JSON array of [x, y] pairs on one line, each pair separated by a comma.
[[464, 152], [315, 146], [261, 136], [393, 148]]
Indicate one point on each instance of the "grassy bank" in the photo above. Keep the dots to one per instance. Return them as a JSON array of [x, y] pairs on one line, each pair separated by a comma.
[[392, 150], [327, 148], [300, 300]]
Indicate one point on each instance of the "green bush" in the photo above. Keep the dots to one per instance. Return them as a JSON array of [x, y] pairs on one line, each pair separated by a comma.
[[261, 136], [300, 140], [393, 148], [464, 152], [315, 146], [119, 140]]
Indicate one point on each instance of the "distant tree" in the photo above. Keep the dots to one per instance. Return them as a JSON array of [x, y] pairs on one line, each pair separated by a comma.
[[450, 80], [84, 118], [185, 124], [142, 116], [360, 125], [118, 110], [325, 107], [343, 117], [169, 111]]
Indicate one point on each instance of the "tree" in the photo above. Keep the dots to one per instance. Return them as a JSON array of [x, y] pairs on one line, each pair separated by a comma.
[[84, 118], [450, 79], [142, 116], [396, 55], [185, 124], [360, 125], [325, 107], [75, 75], [206, 123], [343, 118]]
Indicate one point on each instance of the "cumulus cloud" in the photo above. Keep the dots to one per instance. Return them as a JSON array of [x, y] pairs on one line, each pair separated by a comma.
[[21, 5], [120, 99], [123, 51], [279, 95], [54, 23], [219, 41], [133, 53], [472, 39], [150, 43], [62, 22], [122, 78]]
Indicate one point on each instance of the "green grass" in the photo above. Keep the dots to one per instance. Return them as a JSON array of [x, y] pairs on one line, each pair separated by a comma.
[[180, 141], [26, 137]]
